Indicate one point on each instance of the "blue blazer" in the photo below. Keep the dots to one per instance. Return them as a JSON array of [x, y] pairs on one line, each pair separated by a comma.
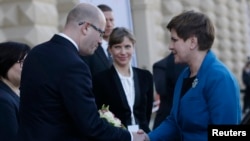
[[57, 103], [108, 90], [214, 99], [9, 118]]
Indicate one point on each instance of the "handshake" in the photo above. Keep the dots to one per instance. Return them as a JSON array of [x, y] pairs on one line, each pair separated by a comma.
[[140, 135]]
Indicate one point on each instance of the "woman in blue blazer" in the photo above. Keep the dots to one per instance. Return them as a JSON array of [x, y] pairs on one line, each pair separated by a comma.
[[207, 92], [127, 90], [12, 55]]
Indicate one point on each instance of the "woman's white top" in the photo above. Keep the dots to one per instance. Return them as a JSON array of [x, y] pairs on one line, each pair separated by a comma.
[[129, 89]]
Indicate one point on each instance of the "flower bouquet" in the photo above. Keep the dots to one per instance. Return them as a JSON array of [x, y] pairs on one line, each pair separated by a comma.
[[109, 116]]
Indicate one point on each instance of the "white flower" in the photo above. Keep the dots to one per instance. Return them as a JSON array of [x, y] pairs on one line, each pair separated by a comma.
[[117, 122], [110, 117], [106, 114]]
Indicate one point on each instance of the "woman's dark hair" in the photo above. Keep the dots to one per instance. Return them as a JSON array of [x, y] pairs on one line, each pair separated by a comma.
[[10, 53], [191, 23], [118, 34]]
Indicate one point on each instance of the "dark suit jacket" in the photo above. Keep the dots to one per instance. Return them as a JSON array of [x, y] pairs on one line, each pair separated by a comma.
[[98, 61], [108, 90], [246, 118], [246, 97], [165, 74], [57, 103], [9, 118]]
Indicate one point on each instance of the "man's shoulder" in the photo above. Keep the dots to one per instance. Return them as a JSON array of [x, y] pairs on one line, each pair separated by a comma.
[[162, 62], [93, 56]]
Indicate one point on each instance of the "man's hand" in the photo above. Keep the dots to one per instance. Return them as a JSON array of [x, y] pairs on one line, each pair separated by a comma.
[[140, 135], [147, 137]]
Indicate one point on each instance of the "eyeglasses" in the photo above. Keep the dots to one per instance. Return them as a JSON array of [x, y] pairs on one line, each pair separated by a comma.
[[96, 28], [20, 62]]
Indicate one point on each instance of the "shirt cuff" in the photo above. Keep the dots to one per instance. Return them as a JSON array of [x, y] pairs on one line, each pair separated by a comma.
[[132, 137]]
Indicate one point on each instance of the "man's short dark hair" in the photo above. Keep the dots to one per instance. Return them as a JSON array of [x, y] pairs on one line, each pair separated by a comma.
[[104, 7]]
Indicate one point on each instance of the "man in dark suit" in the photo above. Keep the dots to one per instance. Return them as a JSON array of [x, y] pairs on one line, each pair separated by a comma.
[[101, 59], [57, 103], [165, 74]]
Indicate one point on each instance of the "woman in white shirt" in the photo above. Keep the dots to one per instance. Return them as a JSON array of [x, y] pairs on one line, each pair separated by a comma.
[[127, 90]]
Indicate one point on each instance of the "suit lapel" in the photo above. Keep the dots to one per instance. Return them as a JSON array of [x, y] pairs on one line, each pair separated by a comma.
[[136, 86], [101, 54], [177, 93], [120, 89]]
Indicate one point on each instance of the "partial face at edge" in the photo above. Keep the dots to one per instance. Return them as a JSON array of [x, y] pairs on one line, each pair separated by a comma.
[[109, 23], [14, 73]]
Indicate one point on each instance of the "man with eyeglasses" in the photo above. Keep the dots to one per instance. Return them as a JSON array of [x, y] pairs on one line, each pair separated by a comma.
[[97, 29], [56, 99], [101, 59]]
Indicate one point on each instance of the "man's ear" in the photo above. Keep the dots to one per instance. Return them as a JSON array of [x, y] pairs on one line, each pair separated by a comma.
[[84, 28]]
